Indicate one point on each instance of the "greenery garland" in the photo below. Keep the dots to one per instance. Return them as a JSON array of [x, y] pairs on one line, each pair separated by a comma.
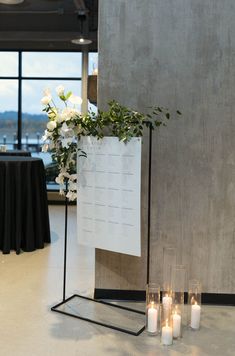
[[66, 126]]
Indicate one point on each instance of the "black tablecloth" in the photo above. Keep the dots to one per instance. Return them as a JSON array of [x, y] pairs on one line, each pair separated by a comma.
[[24, 220], [16, 153]]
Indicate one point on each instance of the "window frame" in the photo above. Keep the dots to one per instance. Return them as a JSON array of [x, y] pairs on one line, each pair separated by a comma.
[[20, 78]]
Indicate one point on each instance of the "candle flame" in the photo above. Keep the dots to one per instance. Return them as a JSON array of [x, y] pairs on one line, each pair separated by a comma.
[[152, 304], [95, 71], [195, 303], [166, 322]]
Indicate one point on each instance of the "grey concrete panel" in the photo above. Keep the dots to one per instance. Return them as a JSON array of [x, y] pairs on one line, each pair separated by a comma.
[[178, 54]]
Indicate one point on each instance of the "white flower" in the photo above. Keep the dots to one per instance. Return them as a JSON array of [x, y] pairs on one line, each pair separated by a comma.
[[73, 177], [68, 113], [76, 100], [46, 99], [47, 92], [51, 125], [46, 135], [62, 129], [60, 90], [71, 195], [60, 118], [66, 132], [61, 191], [66, 141], [45, 147], [64, 172], [72, 186], [60, 179], [65, 115]]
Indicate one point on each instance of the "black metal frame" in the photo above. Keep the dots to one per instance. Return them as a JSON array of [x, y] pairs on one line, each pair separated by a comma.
[[149, 202], [126, 331], [65, 300]]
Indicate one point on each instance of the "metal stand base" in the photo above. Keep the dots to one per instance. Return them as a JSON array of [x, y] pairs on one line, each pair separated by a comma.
[[55, 309]]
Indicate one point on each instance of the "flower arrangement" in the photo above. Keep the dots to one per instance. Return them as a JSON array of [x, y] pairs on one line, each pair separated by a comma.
[[66, 125], [61, 135]]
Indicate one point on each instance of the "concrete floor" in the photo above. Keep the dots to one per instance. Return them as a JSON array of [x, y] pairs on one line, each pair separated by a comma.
[[32, 282]]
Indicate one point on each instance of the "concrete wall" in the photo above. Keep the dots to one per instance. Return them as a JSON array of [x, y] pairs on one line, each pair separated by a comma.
[[179, 54]]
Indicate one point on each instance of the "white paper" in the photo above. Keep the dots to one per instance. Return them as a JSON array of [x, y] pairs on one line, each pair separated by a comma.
[[109, 187]]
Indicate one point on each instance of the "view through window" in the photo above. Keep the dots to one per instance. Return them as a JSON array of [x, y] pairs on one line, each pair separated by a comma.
[[23, 77]]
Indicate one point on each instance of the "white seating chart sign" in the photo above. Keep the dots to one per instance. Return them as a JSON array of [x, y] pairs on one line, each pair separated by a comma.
[[109, 188]]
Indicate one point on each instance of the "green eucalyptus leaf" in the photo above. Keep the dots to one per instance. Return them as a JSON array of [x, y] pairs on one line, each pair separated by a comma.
[[68, 95]]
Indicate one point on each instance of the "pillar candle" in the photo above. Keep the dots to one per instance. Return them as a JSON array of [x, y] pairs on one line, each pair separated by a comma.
[[166, 301], [176, 325], [195, 316], [152, 319], [167, 335]]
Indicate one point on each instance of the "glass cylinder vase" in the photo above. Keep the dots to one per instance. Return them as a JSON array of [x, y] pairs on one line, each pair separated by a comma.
[[169, 260], [194, 302], [166, 330], [178, 288], [152, 308], [177, 322]]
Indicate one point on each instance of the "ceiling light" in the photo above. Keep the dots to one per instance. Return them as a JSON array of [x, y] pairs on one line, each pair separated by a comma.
[[11, 2], [84, 28], [81, 41]]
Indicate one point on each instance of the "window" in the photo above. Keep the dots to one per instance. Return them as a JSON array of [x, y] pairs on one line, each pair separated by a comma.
[[52, 64], [92, 62], [92, 69], [9, 64], [23, 77], [8, 111]]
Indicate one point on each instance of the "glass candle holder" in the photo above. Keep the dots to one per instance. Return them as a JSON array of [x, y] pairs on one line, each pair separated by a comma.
[[194, 301], [178, 289], [152, 308], [169, 260], [166, 305], [166, 331], [177, 322]]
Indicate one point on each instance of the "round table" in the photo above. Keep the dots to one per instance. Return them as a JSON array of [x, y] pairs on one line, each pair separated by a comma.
[[16, 153], [24, 219]]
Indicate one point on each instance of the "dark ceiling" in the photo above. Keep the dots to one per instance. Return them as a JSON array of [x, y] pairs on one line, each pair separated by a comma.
[[47, 24]]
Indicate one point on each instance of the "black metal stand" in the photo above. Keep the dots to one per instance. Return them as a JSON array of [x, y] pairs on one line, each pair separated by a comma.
[[149, 202], [64, 301], [65, 238]]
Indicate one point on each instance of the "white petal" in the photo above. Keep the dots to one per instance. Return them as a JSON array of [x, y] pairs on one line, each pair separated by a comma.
[[75, 99], [72, 186], [45, 147], [60, 90], [45, 100], [51, 125]]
